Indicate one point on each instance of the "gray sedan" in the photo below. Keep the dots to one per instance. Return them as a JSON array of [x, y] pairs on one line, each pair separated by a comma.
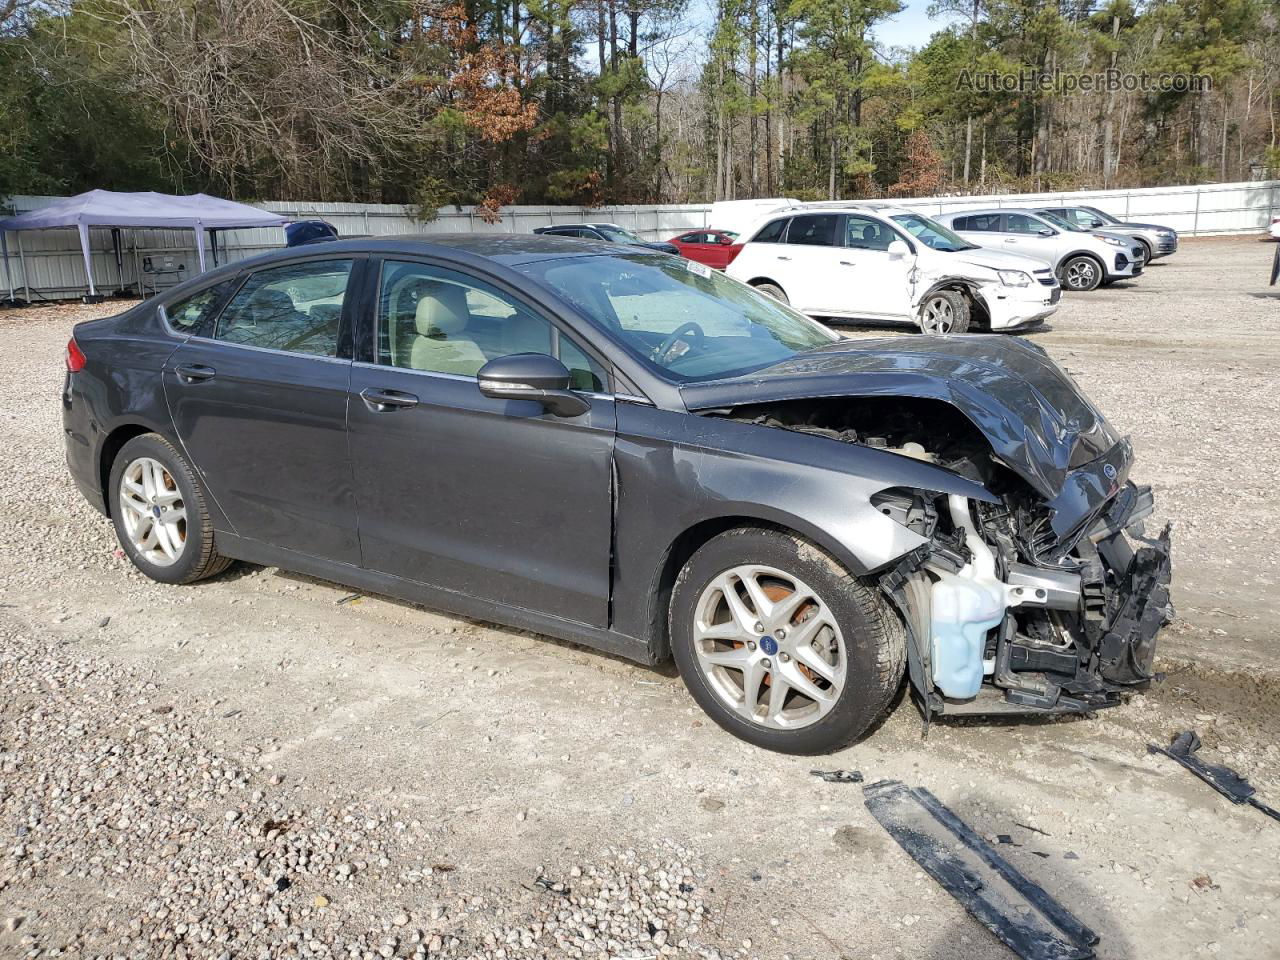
[[1158, 241], [631, 451]]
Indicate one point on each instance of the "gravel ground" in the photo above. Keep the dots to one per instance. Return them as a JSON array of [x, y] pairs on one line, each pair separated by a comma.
[[251, 768]]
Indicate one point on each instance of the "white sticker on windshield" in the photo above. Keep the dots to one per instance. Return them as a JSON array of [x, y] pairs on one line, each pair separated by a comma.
[[701, 269]]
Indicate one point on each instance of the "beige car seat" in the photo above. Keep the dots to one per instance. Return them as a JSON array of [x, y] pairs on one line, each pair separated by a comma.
[[441, 345]]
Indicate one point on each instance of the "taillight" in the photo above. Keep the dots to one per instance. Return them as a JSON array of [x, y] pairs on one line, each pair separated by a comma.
[[734, 250], [75, 357]]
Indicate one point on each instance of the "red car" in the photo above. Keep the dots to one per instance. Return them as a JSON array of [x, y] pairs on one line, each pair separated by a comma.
[[715, 248]]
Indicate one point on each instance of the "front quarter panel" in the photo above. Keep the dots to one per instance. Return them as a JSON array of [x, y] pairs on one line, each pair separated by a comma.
[[676, 471]]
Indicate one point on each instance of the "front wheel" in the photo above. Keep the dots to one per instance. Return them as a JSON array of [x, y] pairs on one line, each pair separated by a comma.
[[773, 290], [1082, 274], [158, 508], [780, 645], [944, 311]]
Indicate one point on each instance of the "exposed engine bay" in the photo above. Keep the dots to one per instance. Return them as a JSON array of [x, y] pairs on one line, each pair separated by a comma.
[[1005, 611]]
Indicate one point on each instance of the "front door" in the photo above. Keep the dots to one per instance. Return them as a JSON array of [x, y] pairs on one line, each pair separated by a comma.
[[1022, 236], [261, 406], [883, 283], [496, 499]]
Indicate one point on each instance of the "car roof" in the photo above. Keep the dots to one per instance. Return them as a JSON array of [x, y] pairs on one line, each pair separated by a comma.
[[507, 249], [987, 210]]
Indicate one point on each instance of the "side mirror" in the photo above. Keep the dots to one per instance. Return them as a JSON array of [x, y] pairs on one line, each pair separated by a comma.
[[532, 376], [1097, 223], [898, 249], [1047, 232], [723, 240]]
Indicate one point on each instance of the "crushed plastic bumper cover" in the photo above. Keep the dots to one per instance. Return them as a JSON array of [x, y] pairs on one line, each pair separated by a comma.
[[1127, 649], [1018, 911], [1226, 781]]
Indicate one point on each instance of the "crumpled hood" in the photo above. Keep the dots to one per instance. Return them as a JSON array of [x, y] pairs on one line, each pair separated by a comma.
[[1034, 415]]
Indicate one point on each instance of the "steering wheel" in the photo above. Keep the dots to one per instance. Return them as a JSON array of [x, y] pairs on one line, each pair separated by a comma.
[[660, 352]]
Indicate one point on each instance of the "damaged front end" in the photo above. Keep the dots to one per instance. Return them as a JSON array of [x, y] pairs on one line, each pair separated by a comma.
[[1002, 620], [1046, 599]]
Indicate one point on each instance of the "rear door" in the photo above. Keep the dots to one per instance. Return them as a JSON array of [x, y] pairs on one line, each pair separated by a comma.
[[495, 499], [259, 400], [819, 276]]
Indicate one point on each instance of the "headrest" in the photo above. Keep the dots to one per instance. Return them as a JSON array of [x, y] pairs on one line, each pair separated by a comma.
[[269, 304], [442, 309]]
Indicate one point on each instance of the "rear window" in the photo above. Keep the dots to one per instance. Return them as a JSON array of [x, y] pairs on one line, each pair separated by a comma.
[[185, 315], [814, 230], [986, 222], [772, 231]]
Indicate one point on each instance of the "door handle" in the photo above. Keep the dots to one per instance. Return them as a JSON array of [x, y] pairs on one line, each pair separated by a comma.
[[194, 372], [380, 401], [847, 263], [1011, 240], [784, 258]]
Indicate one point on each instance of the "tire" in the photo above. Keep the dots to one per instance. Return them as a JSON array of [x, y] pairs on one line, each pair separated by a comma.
[[1146, 249], [1081, 273], [943, 312], [842, 619], [773, 290], [159, 481]]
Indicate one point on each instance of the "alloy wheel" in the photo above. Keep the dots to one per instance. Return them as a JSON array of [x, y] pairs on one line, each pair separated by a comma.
[[938, 316], [153, 512], [769, 647], [1081, 274]]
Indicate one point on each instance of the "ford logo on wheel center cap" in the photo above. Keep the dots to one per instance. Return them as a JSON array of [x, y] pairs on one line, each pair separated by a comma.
[[768, 645]]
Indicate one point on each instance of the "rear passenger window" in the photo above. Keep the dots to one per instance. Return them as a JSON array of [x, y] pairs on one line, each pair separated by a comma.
[[772, 232], [296, 307], [817, 230], [184, 316], [989, 222]]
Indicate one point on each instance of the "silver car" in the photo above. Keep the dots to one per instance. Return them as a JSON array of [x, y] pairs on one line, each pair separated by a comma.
[[1082, 259], [1159, 241]]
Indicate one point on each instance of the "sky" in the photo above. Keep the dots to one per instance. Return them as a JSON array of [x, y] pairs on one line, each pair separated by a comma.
[[910, 28]]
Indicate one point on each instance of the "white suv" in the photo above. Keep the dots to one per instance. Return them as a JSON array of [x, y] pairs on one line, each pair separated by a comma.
[[873, 262], [1081, 258]]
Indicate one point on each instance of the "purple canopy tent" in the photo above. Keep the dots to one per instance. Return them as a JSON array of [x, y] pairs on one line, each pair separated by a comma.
[[105, 208]]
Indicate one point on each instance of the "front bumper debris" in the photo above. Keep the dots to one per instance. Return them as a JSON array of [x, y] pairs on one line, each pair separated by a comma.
[[1080, 626], [1017, 910]]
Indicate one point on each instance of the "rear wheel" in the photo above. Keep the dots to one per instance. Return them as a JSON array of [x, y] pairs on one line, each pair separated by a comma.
[[1082, 274], [780, 645], [944, 311], [773, 290], [158, 507]]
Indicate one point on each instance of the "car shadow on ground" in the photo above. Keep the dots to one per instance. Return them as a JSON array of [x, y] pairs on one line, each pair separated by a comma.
[[345, 594]]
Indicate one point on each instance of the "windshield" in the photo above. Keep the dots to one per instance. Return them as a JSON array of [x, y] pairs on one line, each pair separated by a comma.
[[933, 234], [1058, 222], [1104, 217], [685, 321], [617, 234]]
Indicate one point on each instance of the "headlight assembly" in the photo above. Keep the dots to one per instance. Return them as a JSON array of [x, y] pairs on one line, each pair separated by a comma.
[[1114, 241], [1014, 278]]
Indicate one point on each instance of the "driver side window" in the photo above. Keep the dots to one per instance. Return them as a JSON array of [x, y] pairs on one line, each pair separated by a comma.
[[1021, 223], [441, 321], [296, 307]]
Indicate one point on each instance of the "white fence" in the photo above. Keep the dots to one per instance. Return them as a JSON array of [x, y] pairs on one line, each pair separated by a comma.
[[48, 264]]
